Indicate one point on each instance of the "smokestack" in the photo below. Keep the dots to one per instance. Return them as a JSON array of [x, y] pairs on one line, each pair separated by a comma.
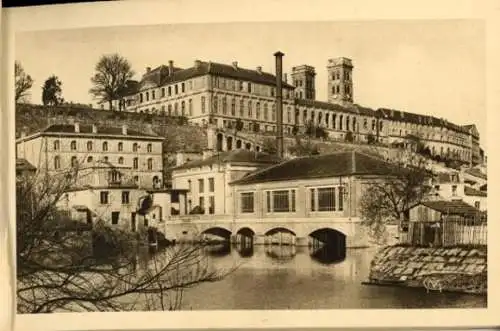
[[279, 101], [170, 67]]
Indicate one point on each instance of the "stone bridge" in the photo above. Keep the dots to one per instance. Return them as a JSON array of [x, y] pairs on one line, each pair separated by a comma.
[[301, 232]]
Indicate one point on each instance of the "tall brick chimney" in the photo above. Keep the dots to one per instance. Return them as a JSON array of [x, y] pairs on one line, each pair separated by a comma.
[[170, 68], [279, 102]]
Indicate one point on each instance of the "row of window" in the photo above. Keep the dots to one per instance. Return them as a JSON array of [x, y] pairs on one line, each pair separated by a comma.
[[105, 146], [336, 75], [164, 92], [201, 185], [246, 87], [105, 197], [90, 159], [284, 201], [173, 109], [336, 89], [211, 203]]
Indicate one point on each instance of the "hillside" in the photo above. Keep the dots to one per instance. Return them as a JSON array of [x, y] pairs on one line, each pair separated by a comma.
[[32, 118]]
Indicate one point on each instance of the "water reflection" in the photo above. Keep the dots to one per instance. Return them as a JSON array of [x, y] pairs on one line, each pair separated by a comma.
[[281, 253], [218, 250], [327, 254], [244, 250]]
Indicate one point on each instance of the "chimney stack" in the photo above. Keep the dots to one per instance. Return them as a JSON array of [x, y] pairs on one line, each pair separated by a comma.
[[148, 70], [235, 65], [197, 63], [170, 68], [94, 128], [259, 69], [124, 129], [77, 127], [279, 101]]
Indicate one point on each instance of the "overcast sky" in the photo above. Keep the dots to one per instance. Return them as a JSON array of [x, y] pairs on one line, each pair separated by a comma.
[[428, 67]]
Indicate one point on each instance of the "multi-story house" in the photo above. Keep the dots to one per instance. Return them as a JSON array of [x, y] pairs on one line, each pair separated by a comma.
[[207, 180], [455, 186], [221, 94], [61, 147]]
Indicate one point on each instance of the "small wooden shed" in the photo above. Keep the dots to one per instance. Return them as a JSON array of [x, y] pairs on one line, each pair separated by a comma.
[[446, 223]]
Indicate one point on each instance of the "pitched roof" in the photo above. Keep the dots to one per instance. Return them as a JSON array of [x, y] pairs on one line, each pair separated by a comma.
[[355, 109], [473, 192], [402, 116], [476, 173], [321, 166], [160, 75], [238, 156], [23, 164], [456, 207], [101, 130]]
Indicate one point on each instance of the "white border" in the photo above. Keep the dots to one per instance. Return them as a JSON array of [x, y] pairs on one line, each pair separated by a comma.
[[148, 12]]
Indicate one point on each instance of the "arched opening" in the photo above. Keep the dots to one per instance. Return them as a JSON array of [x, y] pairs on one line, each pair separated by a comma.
[[257, 148], [280, 236], [217, 241], [238, 143], [280, 244], [248, 146], [327, 245], [229, 143], [220, 139], [244, 242]]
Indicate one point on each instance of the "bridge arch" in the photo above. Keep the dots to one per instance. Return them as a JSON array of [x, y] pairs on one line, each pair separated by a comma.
[[328, 245], [246, 231], [280, 236], [218, 232]]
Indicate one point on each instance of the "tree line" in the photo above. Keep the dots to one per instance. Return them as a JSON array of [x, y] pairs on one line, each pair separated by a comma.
[[110, 82]]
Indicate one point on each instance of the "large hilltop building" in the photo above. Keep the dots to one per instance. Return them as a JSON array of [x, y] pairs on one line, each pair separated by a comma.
[[221, 94]]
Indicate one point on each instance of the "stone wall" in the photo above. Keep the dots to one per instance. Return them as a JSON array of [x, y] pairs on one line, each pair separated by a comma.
[[444, 269]]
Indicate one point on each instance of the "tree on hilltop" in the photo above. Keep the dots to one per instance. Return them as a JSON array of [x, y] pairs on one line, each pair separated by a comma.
[[23, 83], [51, 91], [110, 79]]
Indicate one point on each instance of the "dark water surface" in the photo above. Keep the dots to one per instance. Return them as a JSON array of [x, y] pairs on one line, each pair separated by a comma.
[[287, 277]]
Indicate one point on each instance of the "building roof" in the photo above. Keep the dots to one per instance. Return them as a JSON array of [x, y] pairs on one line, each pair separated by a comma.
[[160, 75], [402, 116], [476, 173], [473, 192], [85, 128], [456, 207], [23, 164], [321, 166], [355, 109], [238, 156]]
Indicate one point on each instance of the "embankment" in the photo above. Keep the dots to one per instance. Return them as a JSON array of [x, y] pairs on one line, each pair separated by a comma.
[[444, 269]]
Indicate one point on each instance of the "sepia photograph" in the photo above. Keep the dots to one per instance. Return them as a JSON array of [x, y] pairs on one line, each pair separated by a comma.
[[251, 166]]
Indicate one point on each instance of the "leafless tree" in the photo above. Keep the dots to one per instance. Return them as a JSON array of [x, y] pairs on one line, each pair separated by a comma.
[[112, 72], [24, 82], [64, 265], [386, 200]]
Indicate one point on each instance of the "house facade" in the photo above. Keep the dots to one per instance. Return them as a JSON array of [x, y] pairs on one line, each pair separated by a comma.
[[452, 186], [61, 147], [207, 180]]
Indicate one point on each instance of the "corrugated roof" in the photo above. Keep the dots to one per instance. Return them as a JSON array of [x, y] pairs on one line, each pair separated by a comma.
[[457, 207], [160, 75], [235, 156], [101, 130], [473, 192], [321, 166]]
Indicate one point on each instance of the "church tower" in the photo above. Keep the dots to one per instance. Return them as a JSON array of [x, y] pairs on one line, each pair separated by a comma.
[[340, 88], [304, 81]]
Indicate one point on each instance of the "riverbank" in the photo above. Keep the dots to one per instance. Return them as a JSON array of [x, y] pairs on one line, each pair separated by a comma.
[[457, 269]]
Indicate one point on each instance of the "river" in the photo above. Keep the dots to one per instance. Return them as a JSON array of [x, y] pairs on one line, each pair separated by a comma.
[[288, 277]]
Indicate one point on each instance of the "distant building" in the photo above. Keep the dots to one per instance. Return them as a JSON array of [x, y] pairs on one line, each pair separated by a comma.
[[24, 168], [61, 147], [452, 186], [221, 94]]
